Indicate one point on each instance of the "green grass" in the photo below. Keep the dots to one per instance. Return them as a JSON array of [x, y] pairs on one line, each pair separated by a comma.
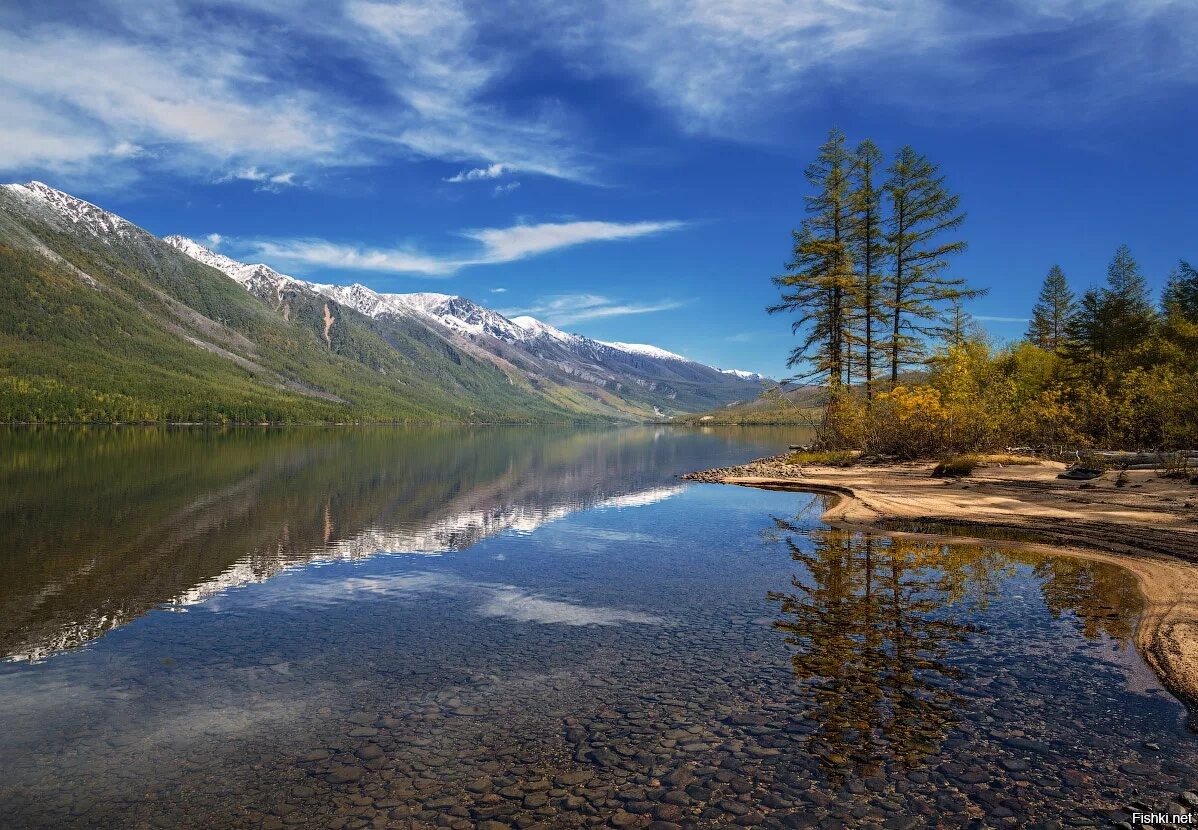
[[958, 466], [1007, 460], [825, 458]]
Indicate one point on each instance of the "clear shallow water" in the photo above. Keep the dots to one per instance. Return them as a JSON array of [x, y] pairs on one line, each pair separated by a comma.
[[450, 627]]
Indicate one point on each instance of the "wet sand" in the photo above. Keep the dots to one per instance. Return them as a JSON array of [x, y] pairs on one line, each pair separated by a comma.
[[1148, 526]]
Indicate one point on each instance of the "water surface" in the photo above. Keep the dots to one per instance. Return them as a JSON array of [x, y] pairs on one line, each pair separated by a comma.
[[398, 628]]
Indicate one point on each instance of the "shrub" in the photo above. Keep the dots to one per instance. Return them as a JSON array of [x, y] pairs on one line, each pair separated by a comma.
[[958, 466]]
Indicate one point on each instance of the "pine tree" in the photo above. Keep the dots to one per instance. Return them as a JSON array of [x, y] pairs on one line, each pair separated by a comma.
[[869, 252], [921, 210], [1128, 306], [1050, 315], [1181, 293], [1088, 340], [819, 285]]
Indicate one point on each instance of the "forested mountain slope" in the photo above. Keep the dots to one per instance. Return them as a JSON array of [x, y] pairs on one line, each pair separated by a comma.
[[102, 321]]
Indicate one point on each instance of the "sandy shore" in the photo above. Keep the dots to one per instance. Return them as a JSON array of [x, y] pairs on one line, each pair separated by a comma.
[[1149, 527]]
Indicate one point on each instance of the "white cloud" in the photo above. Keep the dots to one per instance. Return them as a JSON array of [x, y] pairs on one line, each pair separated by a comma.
[[195, 88], [214, 240], [488, 600], [116, 98], [272, 182], [521, 606], [714, 63], [498, 290], [324, 254], [127, 150], [564, 309], [501, 189], [428, 51], [496, 245], [493, 171], [520, 241], [78, 94]]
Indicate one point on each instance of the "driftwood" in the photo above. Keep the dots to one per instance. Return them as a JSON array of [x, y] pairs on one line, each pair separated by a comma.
[[1082, 473], [1141, 460]]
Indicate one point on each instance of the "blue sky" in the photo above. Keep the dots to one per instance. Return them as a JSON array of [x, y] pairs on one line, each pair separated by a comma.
[[630, 171]]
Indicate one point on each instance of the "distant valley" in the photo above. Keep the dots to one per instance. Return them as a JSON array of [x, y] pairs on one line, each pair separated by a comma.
[[102, 321]]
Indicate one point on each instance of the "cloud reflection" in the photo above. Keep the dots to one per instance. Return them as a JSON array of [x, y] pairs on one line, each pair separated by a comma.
[[486, 599]]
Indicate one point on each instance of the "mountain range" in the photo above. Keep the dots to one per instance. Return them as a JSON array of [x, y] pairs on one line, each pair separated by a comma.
[[101, 320]]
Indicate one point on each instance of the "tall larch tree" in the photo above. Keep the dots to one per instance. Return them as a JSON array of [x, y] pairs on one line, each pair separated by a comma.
[[818, 285], [1051, 314], [869, 253], [915, 290]]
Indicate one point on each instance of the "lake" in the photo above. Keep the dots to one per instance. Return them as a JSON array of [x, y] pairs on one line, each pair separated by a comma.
[[525, 627]]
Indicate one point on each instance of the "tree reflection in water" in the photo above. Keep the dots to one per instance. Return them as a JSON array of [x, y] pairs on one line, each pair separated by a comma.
[[875, 621]]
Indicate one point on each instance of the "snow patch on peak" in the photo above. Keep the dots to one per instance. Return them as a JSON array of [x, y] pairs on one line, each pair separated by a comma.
[[741, 373], [538, 329], [252, 276], [647, 350], [201, 254], [463, 315], [423, 300], [360, 298], [94, 219]]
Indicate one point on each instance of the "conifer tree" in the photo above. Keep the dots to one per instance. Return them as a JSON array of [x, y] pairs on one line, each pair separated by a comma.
[[1128, 306], [915, 289], [958, 325], [819, 284], [869, 252], [1051, 314], [1089, 329], [1181, 293]]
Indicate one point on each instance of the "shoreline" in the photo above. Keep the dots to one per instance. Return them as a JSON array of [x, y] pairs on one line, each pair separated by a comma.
[[1149, 527]]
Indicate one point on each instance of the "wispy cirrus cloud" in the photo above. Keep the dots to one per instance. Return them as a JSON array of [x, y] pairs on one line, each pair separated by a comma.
[[494, 246], [79, 91], [564, 309], [321, 253], [520, 241], [712, 63], [86, 86], [148, 93]]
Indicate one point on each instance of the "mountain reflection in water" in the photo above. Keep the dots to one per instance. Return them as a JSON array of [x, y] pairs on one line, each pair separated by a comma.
[[99, 526], [618, 665], [873, 622]]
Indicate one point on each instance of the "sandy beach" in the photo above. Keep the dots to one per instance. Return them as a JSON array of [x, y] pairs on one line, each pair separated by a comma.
[[1148, 526]]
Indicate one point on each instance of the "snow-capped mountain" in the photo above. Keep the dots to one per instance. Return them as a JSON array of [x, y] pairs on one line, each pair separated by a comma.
[[647, 350], [538, 348], [78, 214], [741, 373], [464, 315], [287, 348], [256, 279]]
